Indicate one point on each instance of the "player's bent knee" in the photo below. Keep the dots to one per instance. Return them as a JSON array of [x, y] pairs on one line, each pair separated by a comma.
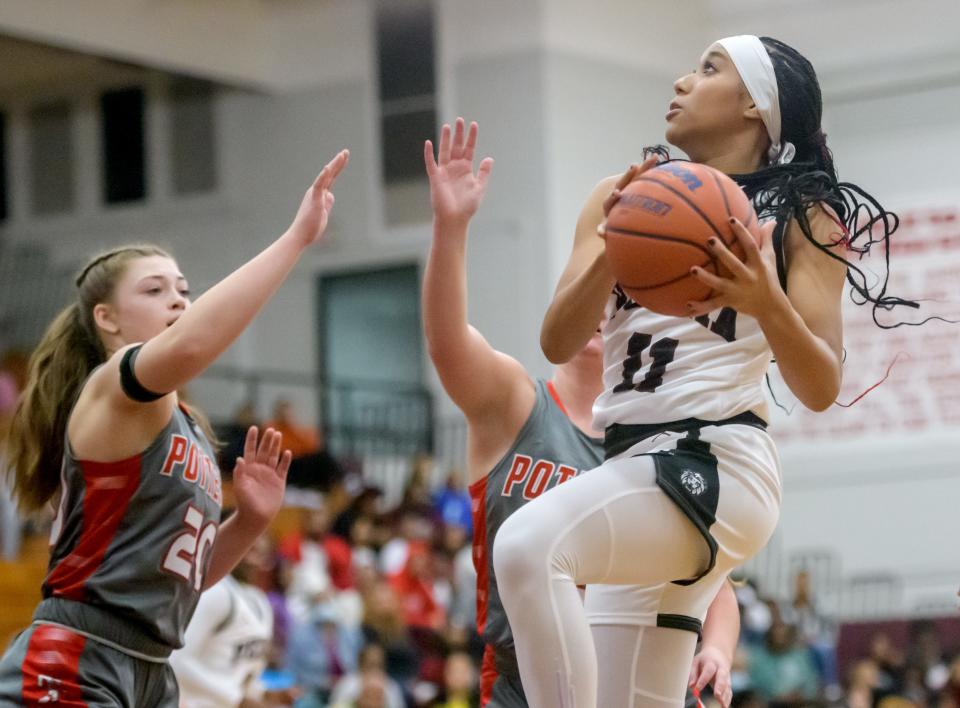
[[515, 557]]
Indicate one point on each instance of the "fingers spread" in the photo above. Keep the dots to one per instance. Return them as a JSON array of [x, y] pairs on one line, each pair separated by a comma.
[[250, 443], [444, 154], [726, 256], [263, 448], [708, 278], [284, 465], [483, 173], [428, 160], [456, 150], [471, 141], [276, 442], [750, 248]]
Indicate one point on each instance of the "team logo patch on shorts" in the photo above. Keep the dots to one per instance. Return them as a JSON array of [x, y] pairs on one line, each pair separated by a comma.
[[693, 482]]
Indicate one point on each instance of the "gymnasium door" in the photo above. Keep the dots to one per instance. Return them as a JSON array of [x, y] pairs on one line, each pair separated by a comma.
[[371, 362]]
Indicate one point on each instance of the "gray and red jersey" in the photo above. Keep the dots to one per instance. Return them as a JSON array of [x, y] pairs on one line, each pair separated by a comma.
[[548, 450], [132, 541]]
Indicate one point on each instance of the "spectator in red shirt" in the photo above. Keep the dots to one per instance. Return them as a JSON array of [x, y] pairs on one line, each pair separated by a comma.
[[414, 587], [321, 562]]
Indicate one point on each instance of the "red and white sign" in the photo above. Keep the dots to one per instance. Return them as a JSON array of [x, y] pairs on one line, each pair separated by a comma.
[[922, 393]]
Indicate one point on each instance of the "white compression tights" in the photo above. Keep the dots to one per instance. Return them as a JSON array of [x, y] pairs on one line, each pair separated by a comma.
[[642, 667], [610, 525]]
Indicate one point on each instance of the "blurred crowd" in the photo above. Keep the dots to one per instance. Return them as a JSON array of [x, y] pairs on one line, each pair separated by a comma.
[[369, 605], [788, 657], [372, 607]]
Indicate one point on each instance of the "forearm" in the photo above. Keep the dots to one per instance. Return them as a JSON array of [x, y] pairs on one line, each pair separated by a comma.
[[445, 292], [808, 364], [234, 538], [721, 629], [576, 310], [217, 318]]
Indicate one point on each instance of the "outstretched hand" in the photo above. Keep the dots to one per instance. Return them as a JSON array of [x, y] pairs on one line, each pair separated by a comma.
[[455, 191], [314, 213], [260, 476]]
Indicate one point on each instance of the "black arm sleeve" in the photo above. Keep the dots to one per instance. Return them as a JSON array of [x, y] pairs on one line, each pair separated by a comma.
[[128, 379]]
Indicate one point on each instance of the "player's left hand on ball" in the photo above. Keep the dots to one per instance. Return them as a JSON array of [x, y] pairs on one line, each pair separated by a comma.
[[260, 476], [711, 667], [747, 286]]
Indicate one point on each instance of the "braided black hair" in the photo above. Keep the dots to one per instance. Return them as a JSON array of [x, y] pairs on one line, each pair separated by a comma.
[[789, 191]]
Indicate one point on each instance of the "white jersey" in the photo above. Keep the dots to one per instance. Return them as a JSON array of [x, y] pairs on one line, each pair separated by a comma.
[[658, 369], [226, 647]]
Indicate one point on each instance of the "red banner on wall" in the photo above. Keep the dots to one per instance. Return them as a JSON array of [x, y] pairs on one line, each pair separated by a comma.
[[922, 392]]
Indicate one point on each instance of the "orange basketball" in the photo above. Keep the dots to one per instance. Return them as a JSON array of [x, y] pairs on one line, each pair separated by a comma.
[[659, 228]]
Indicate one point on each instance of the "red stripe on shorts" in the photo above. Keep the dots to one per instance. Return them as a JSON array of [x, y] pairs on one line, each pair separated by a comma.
[[108, 488], [51, 668]]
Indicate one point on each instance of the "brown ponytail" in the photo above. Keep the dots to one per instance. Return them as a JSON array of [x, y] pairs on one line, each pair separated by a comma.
[[69, 351]]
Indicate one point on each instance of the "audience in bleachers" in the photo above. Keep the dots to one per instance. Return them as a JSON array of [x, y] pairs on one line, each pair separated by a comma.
[[782, 669], [371, 670], [375, 608]]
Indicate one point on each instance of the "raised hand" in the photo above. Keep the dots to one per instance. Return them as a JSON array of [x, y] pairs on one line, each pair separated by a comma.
[[455, 191], [260, 476], [314, 213]]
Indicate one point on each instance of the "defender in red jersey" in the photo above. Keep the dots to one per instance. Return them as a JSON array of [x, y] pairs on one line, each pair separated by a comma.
[[525, 438], [100, 434]]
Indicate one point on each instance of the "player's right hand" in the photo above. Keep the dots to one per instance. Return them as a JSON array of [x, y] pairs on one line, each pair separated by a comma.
[[455, 191], [632, 173], [311, 220]]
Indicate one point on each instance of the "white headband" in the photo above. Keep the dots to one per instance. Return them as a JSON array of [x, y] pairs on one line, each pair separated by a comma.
[[756, 70]]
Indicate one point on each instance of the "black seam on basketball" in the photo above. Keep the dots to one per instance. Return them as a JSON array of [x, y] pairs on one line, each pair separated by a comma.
[[641, 288], [691, 204], [658, 237]]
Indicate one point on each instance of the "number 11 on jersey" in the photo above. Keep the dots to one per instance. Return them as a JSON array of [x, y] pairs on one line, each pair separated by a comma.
[[661, 353]]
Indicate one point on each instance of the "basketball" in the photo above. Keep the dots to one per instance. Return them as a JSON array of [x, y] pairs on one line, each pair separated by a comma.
[[659, 228]]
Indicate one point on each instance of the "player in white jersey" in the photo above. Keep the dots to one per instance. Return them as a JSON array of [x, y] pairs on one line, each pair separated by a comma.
[[520, 431], [227, 643], [691, 483]]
